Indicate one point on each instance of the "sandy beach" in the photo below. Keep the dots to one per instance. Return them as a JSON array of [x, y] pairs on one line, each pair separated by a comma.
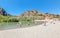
[[40, 31]]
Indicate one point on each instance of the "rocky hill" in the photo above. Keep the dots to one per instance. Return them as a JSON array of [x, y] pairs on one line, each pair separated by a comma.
[[38, 15], [32, 13], [3, 12]]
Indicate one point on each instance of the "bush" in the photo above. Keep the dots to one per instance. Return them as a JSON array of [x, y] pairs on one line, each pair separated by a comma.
[[8, 19], [13, 20]]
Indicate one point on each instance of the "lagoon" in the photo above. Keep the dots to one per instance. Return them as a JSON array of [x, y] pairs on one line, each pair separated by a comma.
[[13, 25], [8, 25]]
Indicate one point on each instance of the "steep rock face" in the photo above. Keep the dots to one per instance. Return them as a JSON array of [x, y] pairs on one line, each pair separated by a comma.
[[3, 12], [32, 13]]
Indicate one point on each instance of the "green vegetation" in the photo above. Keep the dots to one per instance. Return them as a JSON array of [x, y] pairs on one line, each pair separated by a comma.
[[29, 21], [26, 19], [4, 18], [8, 19], [13, 20]]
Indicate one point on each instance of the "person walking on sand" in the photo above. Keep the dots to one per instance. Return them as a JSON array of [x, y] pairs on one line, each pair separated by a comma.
[[44, 23], [54, 21], [46, 20]]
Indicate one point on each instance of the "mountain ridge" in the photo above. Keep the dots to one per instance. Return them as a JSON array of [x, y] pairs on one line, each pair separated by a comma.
[[35, 13], [3, 12]]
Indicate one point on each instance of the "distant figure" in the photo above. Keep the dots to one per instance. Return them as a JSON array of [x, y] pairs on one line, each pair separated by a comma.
[[45, 23], [53, 23], [46, 19], [54, 20]]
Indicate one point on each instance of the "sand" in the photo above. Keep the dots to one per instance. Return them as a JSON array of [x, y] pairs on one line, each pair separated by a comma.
[[40, 31]]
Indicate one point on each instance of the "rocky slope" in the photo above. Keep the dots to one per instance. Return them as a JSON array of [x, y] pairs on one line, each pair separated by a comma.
[[32, 13], [3, 12], [37, 14]]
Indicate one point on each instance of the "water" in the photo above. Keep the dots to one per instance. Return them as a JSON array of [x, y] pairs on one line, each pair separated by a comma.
[[9, 25]]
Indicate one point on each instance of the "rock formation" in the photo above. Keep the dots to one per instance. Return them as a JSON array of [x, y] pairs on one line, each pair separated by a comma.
[[3, 12]]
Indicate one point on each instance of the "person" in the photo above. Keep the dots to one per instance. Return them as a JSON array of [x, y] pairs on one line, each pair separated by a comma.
[[51, 22], [54, 21], [46, 20], [45, 23]]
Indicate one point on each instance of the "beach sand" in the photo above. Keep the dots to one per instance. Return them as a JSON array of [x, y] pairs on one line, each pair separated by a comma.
[[40, 31]]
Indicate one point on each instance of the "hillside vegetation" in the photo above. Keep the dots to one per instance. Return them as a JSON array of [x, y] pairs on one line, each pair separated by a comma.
[[36, 15], [27, 17], [5, 17]]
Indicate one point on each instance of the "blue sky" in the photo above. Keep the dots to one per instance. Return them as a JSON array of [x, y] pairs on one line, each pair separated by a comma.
[[17, 7]]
